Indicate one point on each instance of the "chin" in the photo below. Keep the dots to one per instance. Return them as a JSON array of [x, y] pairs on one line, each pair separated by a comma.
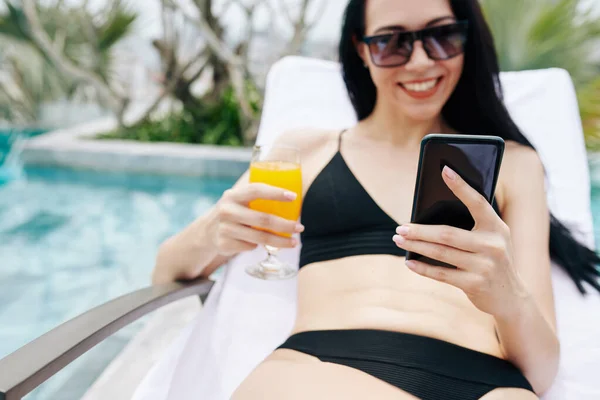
[[422, 113], [424, 103], [418, 110]]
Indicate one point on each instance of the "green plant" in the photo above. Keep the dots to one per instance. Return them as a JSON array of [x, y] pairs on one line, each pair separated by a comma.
[[85, 38], [214, 123], [589, 104], [535, 34], [33, 80]]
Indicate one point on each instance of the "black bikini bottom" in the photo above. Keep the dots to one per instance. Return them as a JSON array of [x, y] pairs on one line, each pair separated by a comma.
[[427, 368]]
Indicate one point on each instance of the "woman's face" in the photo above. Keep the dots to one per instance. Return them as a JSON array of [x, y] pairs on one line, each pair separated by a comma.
[[420, 88]]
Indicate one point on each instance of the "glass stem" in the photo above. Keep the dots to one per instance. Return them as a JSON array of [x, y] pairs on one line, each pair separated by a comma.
[[271, 262]]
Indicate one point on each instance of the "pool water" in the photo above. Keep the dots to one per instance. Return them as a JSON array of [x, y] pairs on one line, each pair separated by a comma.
[[8, 137], [72, 240], [596, 211]]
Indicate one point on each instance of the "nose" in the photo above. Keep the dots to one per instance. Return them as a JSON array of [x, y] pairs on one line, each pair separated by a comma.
[[419, 59]]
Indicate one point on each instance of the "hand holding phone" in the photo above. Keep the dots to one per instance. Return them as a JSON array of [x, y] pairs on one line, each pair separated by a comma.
[[476, 159], [479, 244]]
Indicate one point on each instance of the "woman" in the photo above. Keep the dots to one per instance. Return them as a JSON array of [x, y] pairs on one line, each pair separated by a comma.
[[368, 324]]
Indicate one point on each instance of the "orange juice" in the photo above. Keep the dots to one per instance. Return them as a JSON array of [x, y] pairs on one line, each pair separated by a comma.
[[285, 175]]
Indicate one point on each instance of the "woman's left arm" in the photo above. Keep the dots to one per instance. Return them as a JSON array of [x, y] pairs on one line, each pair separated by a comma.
[[528, 332], [503, 266]]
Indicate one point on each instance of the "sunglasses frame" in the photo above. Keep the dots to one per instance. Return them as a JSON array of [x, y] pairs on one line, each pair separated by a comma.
[[414, 36]]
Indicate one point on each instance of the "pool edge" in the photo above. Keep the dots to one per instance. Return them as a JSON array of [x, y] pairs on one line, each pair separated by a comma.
[[76, 148]]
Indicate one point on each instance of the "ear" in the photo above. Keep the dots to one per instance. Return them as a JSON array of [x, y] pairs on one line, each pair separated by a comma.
[[362, 50]]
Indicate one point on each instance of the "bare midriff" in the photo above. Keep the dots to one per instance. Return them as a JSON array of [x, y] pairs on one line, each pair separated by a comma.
[[380, 292]]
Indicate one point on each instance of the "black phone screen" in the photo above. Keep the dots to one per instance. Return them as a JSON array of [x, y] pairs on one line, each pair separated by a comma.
[[477, 161]]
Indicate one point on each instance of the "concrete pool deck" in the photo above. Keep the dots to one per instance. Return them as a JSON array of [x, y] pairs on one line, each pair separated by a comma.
[[76, 148]]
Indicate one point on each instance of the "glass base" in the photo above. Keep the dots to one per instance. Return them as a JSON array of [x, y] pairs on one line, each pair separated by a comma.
[[271, 271]]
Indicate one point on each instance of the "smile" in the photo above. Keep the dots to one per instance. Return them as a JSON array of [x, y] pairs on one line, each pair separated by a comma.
[[422, 89]]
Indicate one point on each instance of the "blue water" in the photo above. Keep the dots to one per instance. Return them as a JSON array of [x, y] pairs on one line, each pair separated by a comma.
[[71, 240], [596, 211], [7, 135], [7, 141]]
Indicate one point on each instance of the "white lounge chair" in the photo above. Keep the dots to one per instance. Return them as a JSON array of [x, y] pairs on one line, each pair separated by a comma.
[[244, 319]]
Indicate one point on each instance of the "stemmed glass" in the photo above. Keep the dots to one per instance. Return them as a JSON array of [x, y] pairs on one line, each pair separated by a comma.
[[279, 166]]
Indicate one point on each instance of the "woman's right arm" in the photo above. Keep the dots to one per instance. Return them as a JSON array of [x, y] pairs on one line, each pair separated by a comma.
[[227, 229], [188, 254]]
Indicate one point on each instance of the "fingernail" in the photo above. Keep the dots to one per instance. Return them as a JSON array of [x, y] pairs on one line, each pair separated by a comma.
[[450, 174], [294, 242], [299, 228], [290, 195], [399, 239], [402, 230], [411, 264]]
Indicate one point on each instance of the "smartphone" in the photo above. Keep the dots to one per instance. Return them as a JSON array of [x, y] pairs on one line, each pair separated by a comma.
[[476, 158]]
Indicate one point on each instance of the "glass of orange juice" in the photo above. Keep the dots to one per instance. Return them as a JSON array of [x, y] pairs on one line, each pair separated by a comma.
[[276, 166]]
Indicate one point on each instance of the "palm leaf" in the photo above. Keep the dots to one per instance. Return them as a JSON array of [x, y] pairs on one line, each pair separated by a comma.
[[589, 104], [118, 26], [37, 79], [532, 34], [509, 21], [13, 24], [535, 34], [34, 80]]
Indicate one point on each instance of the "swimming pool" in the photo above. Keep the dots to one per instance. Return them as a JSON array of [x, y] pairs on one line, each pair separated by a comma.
[[71, 240]]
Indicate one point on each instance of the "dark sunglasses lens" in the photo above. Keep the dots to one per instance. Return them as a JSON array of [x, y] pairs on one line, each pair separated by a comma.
[[445, 42], [390, 50]]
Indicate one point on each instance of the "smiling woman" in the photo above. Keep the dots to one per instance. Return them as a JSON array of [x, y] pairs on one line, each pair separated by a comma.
[[436, 46], [367, 325], [442, 39]]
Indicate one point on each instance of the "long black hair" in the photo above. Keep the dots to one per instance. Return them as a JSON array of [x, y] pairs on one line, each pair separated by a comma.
[[480, 88]]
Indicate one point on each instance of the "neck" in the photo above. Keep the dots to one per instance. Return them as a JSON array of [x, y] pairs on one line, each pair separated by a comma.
[[385, 124]]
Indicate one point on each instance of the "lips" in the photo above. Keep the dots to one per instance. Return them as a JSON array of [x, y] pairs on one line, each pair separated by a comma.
[[421, 89]]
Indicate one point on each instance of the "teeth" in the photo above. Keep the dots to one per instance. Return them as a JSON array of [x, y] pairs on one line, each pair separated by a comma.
[[420, 87]]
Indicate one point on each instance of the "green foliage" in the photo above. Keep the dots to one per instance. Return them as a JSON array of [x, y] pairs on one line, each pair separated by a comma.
[[589, 103], [535, 34], [33, 82], [117, 26], [85, 38], [114, 23], [207, 123], [13, 24]]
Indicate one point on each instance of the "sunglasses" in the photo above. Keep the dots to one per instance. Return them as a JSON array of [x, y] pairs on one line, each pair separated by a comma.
[[440, 43]]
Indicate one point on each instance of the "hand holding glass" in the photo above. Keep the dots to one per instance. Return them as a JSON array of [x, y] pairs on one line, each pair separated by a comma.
[[276, 166]]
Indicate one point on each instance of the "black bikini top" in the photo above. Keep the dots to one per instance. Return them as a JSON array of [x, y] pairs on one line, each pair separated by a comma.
[[341, 219]]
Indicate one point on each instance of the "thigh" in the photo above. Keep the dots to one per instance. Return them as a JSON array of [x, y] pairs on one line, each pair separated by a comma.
[[510, 394], [291, 375]]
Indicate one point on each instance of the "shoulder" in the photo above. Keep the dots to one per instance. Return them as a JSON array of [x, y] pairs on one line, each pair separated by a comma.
[[522, 170], [521, 161], [307, 140]]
